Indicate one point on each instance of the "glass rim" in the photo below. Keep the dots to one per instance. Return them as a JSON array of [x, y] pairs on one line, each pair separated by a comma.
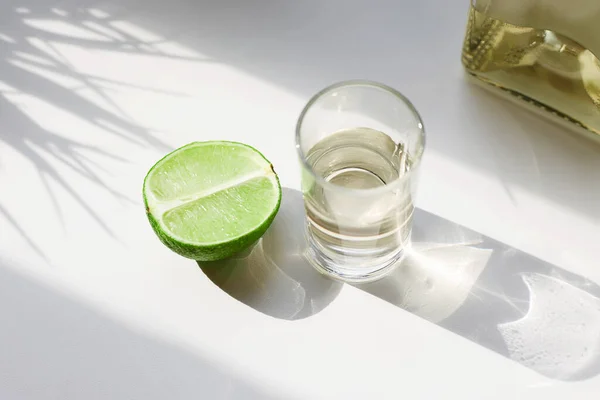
[[367, 83]]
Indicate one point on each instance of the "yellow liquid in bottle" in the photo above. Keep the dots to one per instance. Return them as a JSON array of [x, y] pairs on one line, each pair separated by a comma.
[[551, 72]]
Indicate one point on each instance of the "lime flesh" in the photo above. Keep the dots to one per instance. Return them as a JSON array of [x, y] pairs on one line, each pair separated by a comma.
[[210, 200]]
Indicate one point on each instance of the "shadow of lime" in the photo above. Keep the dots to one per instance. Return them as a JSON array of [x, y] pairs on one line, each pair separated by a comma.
[[274, 277]]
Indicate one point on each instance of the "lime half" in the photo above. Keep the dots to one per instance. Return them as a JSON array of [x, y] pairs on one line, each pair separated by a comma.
[[210, 200]]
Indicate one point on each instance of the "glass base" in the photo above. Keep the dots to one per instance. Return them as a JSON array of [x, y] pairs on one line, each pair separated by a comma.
[[352, 268]]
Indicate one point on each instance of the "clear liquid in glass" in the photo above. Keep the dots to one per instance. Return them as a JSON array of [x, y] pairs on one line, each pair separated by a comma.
[[367, 228]]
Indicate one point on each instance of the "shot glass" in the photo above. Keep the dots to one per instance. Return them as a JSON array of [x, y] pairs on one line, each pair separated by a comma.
[[360, 145]]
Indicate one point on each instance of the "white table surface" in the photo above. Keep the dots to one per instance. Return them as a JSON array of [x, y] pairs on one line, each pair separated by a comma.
[[94, 307]]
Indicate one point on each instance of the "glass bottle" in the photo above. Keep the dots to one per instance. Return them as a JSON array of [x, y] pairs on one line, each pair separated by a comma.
[[540, 53]]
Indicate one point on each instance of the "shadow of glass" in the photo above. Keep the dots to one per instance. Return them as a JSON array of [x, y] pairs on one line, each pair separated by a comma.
[[53, 346], [274, 277], [530, 311]]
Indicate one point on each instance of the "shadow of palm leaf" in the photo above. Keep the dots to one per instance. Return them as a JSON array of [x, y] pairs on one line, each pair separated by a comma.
[[32, 66]]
